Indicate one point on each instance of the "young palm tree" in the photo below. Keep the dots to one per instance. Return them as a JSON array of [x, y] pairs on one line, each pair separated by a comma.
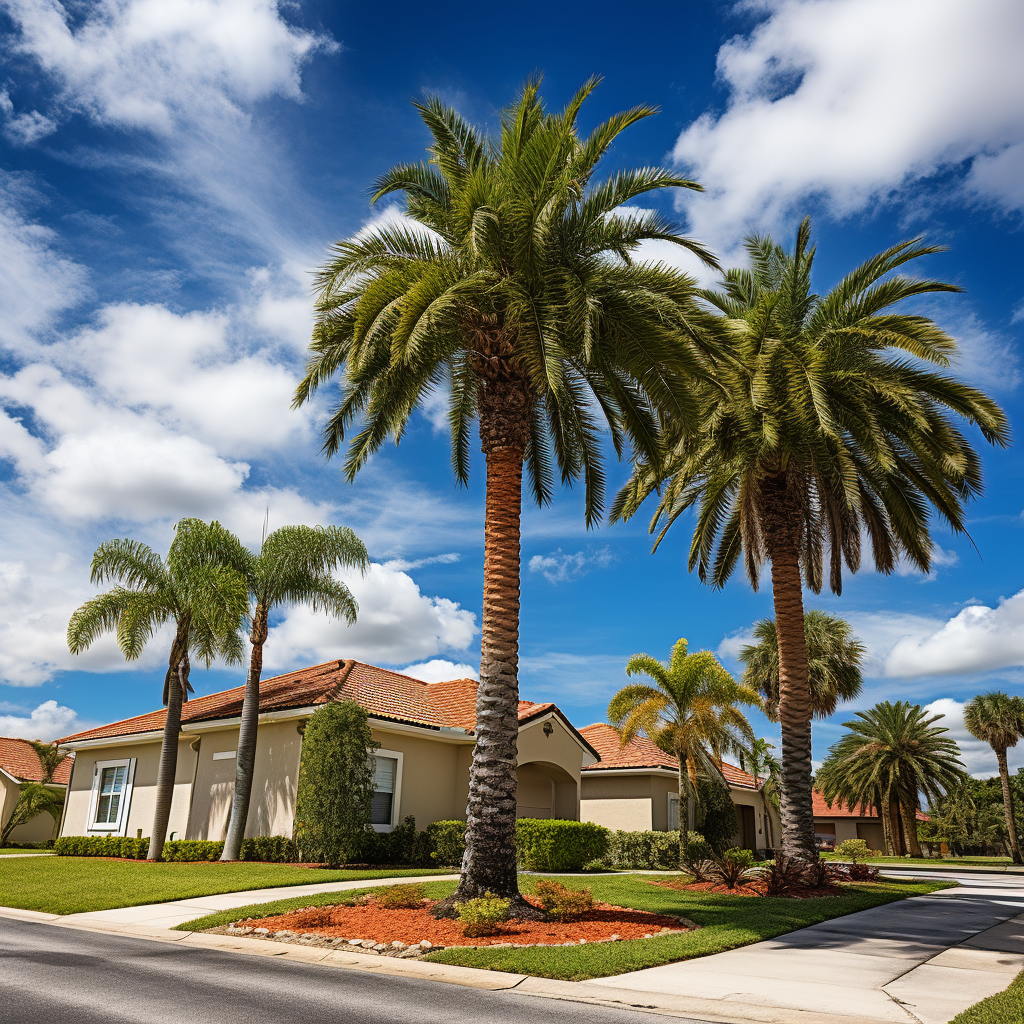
[[513, 287], [690, 711], [196, 590], [295, 565], [825, 427], [37, 797], [760, 761], [891, 754], [998, 720], [834, 657]]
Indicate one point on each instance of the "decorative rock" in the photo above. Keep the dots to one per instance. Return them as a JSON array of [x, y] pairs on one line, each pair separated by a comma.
[[368, 943], [615, 938], [426, 944], [398, 944], [261, 931], [583, 942], [380, 946], [355, 942]]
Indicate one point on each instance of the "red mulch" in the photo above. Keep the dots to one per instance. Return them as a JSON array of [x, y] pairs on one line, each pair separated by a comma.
[[754, 888], [367, 921]]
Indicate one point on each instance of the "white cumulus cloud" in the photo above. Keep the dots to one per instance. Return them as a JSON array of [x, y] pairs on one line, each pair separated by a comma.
[[561, 566], [48, 721], [439, 670], [977, 755]]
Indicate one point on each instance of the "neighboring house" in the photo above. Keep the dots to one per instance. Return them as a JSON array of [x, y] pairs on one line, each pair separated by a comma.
[[20, 763], [835, 823], [636, 787], [426, 737]]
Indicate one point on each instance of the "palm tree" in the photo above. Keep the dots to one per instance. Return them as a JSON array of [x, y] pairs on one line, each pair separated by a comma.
[[197, 591], [691, 712], [824, 427], [891, 754], [37, 797], [834, 657], [513, 287], [294, 566], [760, 761], [998, 720]]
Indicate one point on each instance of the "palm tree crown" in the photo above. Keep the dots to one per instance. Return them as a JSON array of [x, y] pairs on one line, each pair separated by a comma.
[[195, 588], [513, 286], [826, 425], [690, 711], [834, 657], [892, 753]]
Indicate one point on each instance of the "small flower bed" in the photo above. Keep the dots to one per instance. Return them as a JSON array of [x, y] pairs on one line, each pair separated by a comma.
[[754, 887], [364, 926]]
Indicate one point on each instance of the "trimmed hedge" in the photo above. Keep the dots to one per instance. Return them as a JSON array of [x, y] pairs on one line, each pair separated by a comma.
[[544, 844], [273, 849], [447, 842], [652, 850]]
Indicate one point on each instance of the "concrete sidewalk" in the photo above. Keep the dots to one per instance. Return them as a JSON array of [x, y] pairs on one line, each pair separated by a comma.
[[920, 960]]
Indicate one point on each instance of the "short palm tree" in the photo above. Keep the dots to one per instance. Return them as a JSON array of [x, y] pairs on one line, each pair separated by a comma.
[[834, 657], [691, 712], [760, 761], [825, 427], [294, 566], [195, 590], [998, 720], [892, 753], [37, 797], [514, 288]]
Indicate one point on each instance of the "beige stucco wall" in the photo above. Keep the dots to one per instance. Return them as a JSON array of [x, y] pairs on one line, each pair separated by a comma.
[[630, 814], [870, 830], [37, 830]]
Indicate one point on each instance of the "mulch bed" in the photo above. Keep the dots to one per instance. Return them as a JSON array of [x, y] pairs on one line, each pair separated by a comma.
[[753, 888], [374, 925]]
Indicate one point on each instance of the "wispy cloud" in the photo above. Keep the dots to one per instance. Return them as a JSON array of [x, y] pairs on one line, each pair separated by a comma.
[[560, 566]]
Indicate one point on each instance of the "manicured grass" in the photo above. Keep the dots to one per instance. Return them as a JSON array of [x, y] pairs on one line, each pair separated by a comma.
[[74, 885], [727, 922], [990, 862], [1005, 1008], [20, 849]]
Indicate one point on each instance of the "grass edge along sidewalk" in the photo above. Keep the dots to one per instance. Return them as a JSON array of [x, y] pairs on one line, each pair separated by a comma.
[[76, 885], [727, 922], [1006, 1007]]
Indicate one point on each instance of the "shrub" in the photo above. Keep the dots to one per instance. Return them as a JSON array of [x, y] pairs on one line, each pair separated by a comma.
[[482, 915], [732, 867], [400, 897], [818, 874], [192, 850], [402, 845], [651, 850], [783, 876], [563, 903], [549, 845], [335, 788], [716, 815], [272, 849], [101, 846], [447, 842], [861, 872], [702, 868], [854, 850]]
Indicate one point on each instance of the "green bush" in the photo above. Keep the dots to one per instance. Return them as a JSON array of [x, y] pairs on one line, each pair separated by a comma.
[[335, 789], [483, 915], [192, 850], [403, 845], [563, 903], [853, 849], [732, 867], [447, 842], [400, 897], [101, 846], [652, 850], [548, 845], [716, 815]]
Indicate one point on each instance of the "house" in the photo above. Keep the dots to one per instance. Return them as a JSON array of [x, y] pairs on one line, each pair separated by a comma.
[[636, 787], [19, 763], [835, 823], [425, 732]]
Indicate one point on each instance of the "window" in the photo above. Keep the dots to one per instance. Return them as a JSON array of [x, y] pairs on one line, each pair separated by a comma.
[[111, 795], [387, 782], [673, 812]]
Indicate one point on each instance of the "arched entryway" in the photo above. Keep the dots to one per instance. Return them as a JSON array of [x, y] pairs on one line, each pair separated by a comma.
[[546, 790]]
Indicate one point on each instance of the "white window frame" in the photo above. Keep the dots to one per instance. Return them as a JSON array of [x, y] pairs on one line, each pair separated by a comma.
[[116, 827], [671, 798], [396, 799]]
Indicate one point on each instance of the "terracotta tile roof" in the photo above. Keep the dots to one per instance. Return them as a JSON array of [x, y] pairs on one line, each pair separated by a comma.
[[643, 753], [18, 758], [823, 809], [382, 693]]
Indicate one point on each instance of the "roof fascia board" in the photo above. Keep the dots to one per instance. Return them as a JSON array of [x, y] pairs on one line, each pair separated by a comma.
[[581, 740], [447, 733]]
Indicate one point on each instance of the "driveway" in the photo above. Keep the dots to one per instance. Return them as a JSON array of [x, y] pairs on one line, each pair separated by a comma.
[[920, 960]]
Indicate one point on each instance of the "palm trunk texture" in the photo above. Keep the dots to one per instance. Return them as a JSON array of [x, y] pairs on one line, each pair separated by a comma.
[[175, 689], [885, 812], [489, 863], [684, 839], [1011, 822], [908, 814], [245, 758], [797, 807]]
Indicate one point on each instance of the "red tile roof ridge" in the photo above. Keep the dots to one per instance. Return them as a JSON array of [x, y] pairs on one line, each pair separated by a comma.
[[19, 759]]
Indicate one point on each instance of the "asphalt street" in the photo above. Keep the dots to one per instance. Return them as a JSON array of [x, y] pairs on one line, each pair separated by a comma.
[[64, 976]]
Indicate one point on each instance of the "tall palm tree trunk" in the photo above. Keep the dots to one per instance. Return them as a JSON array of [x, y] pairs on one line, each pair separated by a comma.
[[1011, 822], [489, 863], [175, 688], [908, 815], [683, 824], [797, 807], [885, 813], [245, 758]]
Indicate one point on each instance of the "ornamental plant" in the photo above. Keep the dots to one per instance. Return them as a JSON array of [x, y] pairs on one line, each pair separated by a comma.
[[563, 903], [482, 915], [854, 850], [400, 897], [733, 867]]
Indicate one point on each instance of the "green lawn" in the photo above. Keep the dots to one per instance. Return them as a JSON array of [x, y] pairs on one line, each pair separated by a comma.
[[19, 849], [989, 862], [1005, 1008], [728, 922], [73, 885]]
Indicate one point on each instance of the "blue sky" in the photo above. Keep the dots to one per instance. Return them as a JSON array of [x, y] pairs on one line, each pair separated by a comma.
[[172, 171]]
